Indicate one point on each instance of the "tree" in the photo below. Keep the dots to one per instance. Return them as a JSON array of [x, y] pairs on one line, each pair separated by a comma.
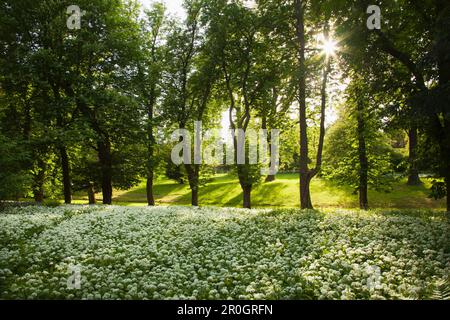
[[418, 44], [68, 78], [19, 96], [14, 177], [307, 174], [99, 82], [150, 71], [357, 153], [275, 102], [242, 52], [190, 78]]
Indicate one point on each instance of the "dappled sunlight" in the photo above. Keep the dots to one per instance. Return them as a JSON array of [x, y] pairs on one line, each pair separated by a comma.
[[225, 191]]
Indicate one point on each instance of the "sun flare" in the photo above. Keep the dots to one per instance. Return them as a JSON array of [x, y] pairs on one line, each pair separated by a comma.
[[329, 47]]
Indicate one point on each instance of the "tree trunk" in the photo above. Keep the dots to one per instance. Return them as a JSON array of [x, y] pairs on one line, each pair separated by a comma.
[[193, 172], [363, 195], [66, 175], [151, 144], [246, 189], [305, 197], [91, 194], [150, 196], [194, 199], [323, 108], [38, 183], [269, 178], [247, 197], [38, 192], [104, 153], [443, 7], [363, 161], [413, 178], [65, 165], [244, 178], [447, 181], [305, 193], [39, 195], [445, 150]]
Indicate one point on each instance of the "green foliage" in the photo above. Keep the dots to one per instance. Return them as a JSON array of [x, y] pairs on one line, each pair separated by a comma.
[[341, 158], [174, 172], [72, 88], [98, 93], [438, 190], [289, 147], [14, 178], [52, 203]]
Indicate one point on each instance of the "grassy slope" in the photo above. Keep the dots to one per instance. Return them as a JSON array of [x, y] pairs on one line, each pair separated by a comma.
[[225, 191]]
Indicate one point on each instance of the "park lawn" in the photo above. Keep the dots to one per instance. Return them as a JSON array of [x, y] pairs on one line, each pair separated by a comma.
[[225, 191]]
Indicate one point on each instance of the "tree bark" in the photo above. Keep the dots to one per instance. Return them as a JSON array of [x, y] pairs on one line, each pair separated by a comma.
[[247, 190], [151, 144], [38, 185], [150, 169], [323, 108], [445, 151], [243, 176], [305, 192], [67, 183], [413, 177], [91, 194], [270, 177], [39, 194], [363, 160], [193, 173], [150, 195], [104, 154], [194, 200], [305, 197], [447, 182]]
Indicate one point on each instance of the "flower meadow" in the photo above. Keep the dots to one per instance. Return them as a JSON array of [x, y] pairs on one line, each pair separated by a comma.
[[207, 253]]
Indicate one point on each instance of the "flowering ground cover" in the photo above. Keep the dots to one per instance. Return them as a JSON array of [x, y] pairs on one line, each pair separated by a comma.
[[207, 253]]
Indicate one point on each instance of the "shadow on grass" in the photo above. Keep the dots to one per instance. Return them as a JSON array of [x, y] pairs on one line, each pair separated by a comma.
[[225, 191], [161, 191]]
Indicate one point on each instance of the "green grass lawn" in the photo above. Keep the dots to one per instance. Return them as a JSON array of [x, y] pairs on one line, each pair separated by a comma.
[[225, 191]]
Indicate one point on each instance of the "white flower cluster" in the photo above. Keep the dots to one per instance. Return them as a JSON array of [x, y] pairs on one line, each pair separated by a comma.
[[184, 253]]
